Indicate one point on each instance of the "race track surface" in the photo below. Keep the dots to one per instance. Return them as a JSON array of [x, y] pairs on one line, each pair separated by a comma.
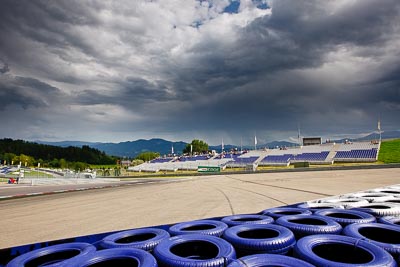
[[57, 216]]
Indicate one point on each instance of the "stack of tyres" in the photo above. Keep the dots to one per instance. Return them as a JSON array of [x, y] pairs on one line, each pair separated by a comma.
[[360, 229], [53, 255]]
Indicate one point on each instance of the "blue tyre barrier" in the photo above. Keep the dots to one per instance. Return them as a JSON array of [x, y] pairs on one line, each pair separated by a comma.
[[383, 235], [204, 227], [269, 260], [146, 239], [341, 251], [346, 217], [303, 225], [284, 211], [194, 250], [247, 219], [390, 220], [260, 238], [121, 257], [52, 255]]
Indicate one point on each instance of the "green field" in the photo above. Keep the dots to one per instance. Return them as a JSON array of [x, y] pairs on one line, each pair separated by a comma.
[[390, 151]]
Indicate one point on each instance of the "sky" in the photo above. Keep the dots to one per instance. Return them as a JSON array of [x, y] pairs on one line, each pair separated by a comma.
[[113, 71]]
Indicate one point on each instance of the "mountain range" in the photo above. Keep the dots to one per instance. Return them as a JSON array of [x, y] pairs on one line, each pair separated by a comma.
[[131, 149]]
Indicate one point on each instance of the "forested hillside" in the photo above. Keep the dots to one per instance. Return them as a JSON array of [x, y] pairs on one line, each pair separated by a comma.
[[10, 149]]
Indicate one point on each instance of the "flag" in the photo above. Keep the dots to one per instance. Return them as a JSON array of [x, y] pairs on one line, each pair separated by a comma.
[[379, 125], [222, 144], [191, 149], [172, 150], [255, 140]]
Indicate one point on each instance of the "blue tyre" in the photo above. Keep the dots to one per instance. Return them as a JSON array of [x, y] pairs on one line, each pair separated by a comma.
[[285, 211], [303, 225], [346, 217], [390, 220], [247, 219], [260, 238], [146, 239], [52, 255], [341, 251], [116, 257], [204, 227], [269, 260], [194, 250], [383, 235]]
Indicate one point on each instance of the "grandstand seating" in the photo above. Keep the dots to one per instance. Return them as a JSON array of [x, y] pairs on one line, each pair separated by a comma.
[[193, 158], [241, 161], [310, 156], [161, 160], [316, 154], [362, 151], [276, 159], [359, 154], [5, 170]]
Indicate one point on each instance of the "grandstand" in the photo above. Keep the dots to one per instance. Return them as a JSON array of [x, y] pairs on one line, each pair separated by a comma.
[[357, 152], [327, 153], [5, 170]]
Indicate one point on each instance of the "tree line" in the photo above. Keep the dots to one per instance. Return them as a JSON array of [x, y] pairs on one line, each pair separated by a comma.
[[31, 153]]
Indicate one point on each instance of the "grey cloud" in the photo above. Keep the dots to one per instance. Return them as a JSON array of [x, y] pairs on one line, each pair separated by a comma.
[[131, 93], [256, 82], [4, 67], [27, 92]]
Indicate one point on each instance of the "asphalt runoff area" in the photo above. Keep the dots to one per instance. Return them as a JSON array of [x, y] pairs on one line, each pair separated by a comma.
[[58, 216]]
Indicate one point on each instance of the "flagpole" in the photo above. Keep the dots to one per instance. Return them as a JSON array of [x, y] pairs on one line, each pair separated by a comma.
[[379, 129], [255, 142], [298, 134]]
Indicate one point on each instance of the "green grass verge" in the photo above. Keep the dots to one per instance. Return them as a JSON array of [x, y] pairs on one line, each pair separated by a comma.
[[390, 151]]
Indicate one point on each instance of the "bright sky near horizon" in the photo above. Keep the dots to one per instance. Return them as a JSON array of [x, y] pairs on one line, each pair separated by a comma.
[[112, 71]]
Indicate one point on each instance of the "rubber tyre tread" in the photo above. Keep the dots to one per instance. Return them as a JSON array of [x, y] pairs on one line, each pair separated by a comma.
[[353, 230], [260, 219], [276, 212], [144, 258], [372, 196], [301, 230], [304, 250], [110, 241], [162, 252], [265, 260], [391, 210], [364, 217], [274, 245], [312, 206], [22, 260], [218, 230], [345, 201]]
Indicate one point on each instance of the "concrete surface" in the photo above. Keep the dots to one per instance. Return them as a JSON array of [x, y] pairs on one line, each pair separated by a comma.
[[58, 216]]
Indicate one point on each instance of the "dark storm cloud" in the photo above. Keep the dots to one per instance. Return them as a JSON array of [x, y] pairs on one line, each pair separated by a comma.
[[325, 64], [131, 92], [27, 92], [4, 67], [253, 81]]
